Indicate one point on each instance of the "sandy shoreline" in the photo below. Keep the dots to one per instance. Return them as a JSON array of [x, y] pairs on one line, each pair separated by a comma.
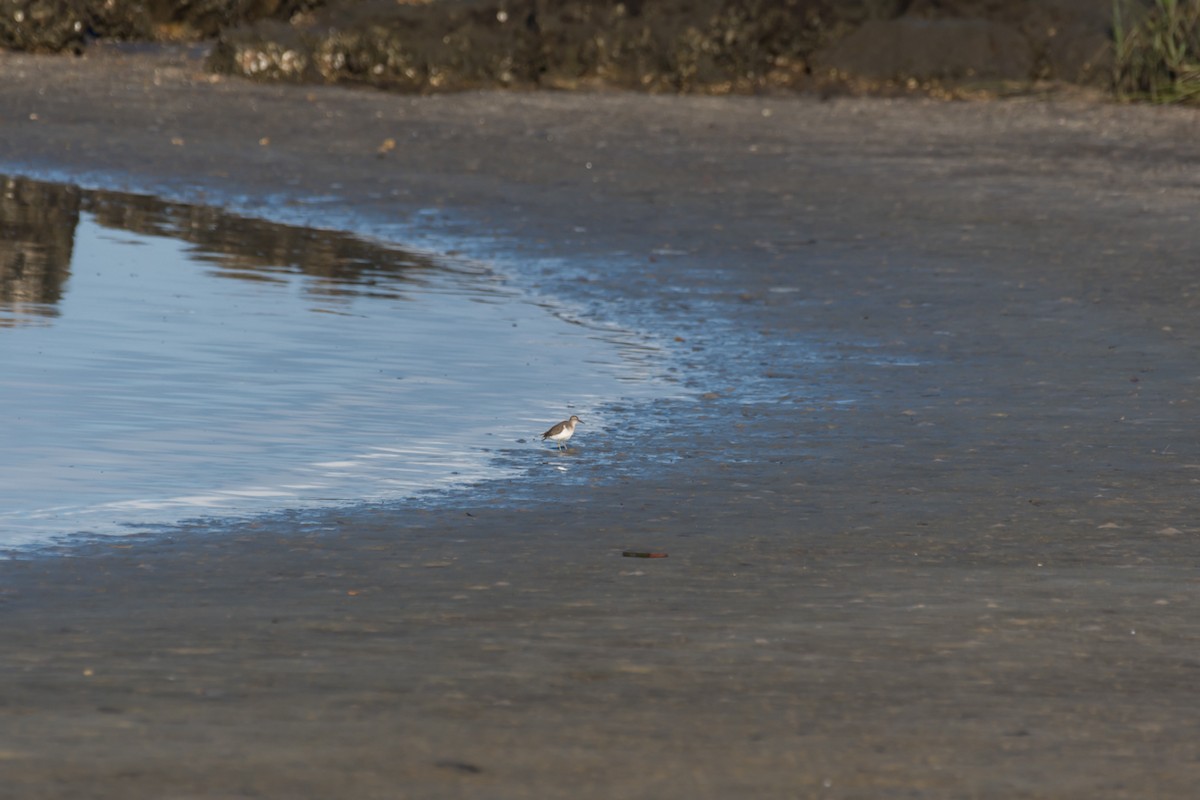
[[931, 532]]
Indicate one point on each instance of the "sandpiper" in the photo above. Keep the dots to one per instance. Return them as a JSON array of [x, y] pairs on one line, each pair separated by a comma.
[[562, 431]]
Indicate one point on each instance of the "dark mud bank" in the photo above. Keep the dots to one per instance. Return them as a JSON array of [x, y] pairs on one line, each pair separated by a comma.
[[715, 46], [710, 46]]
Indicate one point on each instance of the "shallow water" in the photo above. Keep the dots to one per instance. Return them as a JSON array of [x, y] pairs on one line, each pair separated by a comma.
[[164, 362]]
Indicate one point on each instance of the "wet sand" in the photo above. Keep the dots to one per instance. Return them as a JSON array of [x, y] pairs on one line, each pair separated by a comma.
[[930, 517]]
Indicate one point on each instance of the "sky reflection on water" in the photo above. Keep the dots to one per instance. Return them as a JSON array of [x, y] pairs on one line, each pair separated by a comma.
[[236, 366]]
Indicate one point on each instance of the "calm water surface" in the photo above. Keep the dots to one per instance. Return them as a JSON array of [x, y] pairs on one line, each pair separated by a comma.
[[164, 362]]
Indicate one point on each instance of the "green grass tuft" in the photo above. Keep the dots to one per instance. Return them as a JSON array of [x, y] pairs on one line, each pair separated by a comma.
[[1157, 50]]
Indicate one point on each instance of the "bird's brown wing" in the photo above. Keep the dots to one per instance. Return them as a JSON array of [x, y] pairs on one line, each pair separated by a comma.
[[557, 429]]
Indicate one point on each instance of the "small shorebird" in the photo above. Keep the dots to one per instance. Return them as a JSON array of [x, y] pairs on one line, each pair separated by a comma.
[[562, 431]]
